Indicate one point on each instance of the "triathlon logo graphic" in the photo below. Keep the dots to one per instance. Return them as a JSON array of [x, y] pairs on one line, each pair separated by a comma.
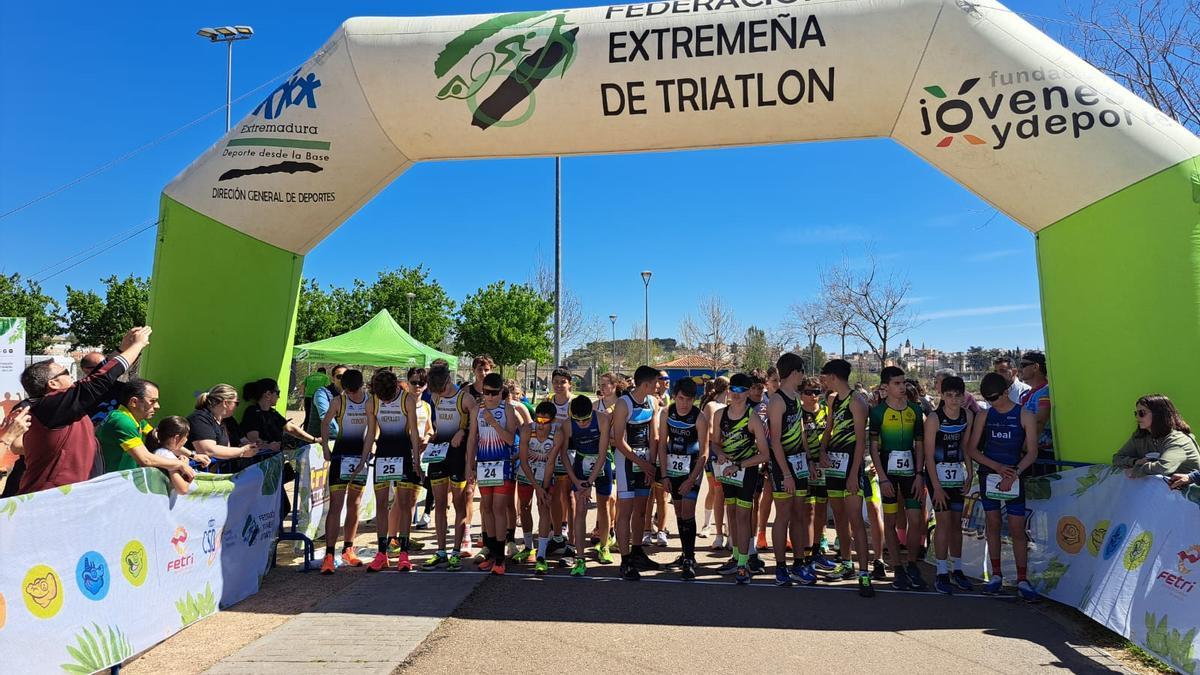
[[953, 115], [496, 65]]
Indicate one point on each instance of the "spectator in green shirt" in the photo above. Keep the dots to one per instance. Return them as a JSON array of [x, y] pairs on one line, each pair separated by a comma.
[[1163, 443], [126, 431], [311, 384]]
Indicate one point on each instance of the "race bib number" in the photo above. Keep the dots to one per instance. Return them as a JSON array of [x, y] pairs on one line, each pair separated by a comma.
[[951, 474], [839, 464], [642, 454], [490, 473], [435, 452], [388, 469], [587, 464], [992, 488], [679, 466], [900, 463], [736, 479], [559, 467], [816, 476], [349, 466], [799, 465], [537, 467]]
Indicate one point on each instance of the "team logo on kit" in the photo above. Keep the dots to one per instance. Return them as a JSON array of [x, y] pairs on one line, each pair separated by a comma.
[[496, 65]]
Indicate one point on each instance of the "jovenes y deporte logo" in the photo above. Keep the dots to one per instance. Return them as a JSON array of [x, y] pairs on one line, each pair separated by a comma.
[[296, 91], [1010, 113], [495, 66]]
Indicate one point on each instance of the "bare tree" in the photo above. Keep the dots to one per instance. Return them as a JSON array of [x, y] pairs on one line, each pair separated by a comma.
[[712, 332], [808, 319], [1150, 46], [879, 303], [577, 328], [841, 318]]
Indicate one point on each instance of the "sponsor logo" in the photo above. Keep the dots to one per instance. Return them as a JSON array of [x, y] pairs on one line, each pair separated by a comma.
[[43, 592], [1188, 557], [1018, 107], [179, 540], [91, 574], [1116, 538], [298, 90], [495, 66], [185, 559], [1177, 583], [250, 530], [211, 542], [1070, 534], [1138, 550], [134, 563]]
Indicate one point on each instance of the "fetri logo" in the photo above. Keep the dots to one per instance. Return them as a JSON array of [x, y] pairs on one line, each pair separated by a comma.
[[179, 540], [1188, 557]]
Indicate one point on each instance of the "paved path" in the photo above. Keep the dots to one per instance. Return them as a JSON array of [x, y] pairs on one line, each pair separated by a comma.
[[370, 627]]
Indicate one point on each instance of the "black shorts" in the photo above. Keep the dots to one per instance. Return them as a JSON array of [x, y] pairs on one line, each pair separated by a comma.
[[744, 494], [336, 463], [778, 474], [385, 468], [903, 488], [677, 482], [452, 469], [954, 500]]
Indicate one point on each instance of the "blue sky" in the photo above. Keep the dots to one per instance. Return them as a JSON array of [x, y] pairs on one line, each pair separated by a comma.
[[85, 85]]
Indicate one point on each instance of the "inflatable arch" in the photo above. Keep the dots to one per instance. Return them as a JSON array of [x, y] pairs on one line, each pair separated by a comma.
[[1108, 184]]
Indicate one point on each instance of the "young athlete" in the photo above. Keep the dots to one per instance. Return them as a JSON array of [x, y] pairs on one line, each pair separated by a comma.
[[760, 398], [351, 409], [560, 382], [842, 449], [632, 432], [489, 465], [656, 509], [679, 451], [789, 473], [814, 413], [949, 472], [607, 389], [1004, 446], [541, 447], [716, 397], [896, 426], [739, 440], [446, 455], [587, 435], [524, 411], [481, 367]]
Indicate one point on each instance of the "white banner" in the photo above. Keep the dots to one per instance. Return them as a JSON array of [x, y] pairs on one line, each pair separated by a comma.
[[96, 572], [1126, 552], [314, 496], [12, 362]]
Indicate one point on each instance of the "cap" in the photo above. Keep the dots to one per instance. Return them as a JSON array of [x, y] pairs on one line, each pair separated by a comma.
[[741, 380]]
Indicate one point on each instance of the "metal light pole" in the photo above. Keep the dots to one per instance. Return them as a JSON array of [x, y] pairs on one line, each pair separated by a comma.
[[228, 35], [646, 282], [557, 260], [410, 295], [612, 345]]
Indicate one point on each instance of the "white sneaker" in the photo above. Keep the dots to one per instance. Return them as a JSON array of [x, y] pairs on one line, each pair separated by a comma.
[[510, 549], [718, 543], [661, 539], [705, 531], [647, 539]]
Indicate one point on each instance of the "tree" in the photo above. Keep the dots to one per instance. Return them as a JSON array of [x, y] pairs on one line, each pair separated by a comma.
[[841, 320], [102, 322], [351, 306], [880, 304], [509, 323], [432, 308], [577, 327], [756, 353], [711, 332], [811, 320], [43, 318], [1150, 46], [977, 359], [632, 352], [316, 318]]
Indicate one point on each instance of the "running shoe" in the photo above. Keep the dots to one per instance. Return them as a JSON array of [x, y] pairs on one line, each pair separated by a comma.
[[689, 570], [612, 540], [403, 564], [1026, 591], [523, 555], [557, 546], [483, 554], [485, 565], [743, 576], [453, 563], [379, 563], [994, 586], [640, 560], [718, 543], [629, 572], [661, 539], [762, 540], [823, 564], [435, 561], [941, 584], [900, 580], [569, 551], [864, 586], [498, 568], [350, 558], [676, 563], [914, 576], [782, 578], [848, 571], [393, 547], [415, 545], [327, 564], [878, 570], [730, 567], [423, 522], [961, 580], [604, 555], [540, 567], [648, 539], [593, 539], [756, 565], [803, 574], [580, 568], [705, 531], [510, 549]]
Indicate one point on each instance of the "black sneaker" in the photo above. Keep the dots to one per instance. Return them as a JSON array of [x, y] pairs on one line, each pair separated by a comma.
[[557, 546], [629, 572], [878, 570], [756, 565], [640, 560], [900, 580], [689, 569], [569, 552], [849, 574], [914, 577], [864, 586], [961, 580], [728, 568], [676, 563]]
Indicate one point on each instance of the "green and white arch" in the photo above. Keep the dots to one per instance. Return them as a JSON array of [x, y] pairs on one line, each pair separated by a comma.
[[1108, 185]]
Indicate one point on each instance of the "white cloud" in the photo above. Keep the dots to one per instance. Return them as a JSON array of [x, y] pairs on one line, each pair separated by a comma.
[[994, 255], [976, 311]]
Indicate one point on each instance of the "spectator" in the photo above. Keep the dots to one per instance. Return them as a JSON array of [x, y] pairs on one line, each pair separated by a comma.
[[1161, 445], [125, 432], [311, 384], [207, 434], [969, 401], [12, 430], [915, 392], [173, 434], [262, 423], [60, 446], [1037, 401], [321, 401], [1180, 481], [1016, 388], [89, 363]]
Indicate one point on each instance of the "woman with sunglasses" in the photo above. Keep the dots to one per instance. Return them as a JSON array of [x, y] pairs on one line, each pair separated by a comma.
[[262, 423], [587, 435], [715, 397], [1161, 445], [541, 448], [739, 440], [490, 466], [1004, 446]]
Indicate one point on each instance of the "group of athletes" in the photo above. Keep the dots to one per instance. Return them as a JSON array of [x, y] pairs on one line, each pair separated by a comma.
[[813, 443]]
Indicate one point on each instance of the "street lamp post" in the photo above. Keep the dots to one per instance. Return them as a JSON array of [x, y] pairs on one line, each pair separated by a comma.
[[612, 345], [557, 261], [646, 282], [228, 35], [410, 295]]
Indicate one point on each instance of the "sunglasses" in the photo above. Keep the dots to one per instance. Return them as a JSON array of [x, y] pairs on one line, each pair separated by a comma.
[[992, 398], [811, 392], [586, 418], [664, 379], [61, 374], [542, 420], [739, 390], [1025, 363], [1140, 413], [491, 392]]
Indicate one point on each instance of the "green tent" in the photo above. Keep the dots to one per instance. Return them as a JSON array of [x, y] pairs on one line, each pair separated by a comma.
[[378, 342]]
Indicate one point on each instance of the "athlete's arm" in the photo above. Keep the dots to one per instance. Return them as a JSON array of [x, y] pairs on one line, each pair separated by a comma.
[[858, 408], [414, 433], [511, 424], [472, 446], [972, 420], [775, 410], [1030, 422], [556, 451], [660, 445], [885, 483], [1043, 413], [930, 442], [760, 442], [601, 449], [372, 433], [975, 454], [716, 438], [523, 452], [918, 438], [335, 407]]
